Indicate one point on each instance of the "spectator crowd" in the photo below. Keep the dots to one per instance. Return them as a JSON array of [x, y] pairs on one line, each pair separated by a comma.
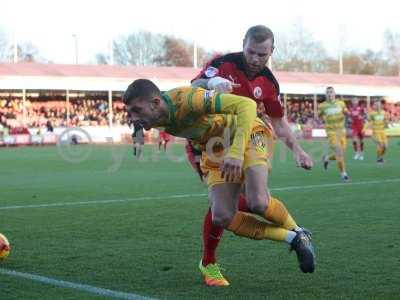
[[38, 114], [88, 112]]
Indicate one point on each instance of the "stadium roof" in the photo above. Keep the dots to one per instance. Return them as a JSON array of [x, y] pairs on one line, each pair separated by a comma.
[[117, 78]]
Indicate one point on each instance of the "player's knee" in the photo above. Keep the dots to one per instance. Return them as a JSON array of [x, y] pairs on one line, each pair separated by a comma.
[[222, 219], [257, 201]]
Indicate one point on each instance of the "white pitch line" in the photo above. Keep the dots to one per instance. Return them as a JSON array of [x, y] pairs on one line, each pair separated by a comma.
[[289, 188], [108, 201], [74, 286], [101, 201]]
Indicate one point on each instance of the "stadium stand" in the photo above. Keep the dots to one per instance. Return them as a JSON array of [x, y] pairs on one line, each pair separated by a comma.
[[44, 98]]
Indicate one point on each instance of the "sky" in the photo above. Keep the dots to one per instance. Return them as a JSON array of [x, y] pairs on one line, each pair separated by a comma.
[[215, 24]]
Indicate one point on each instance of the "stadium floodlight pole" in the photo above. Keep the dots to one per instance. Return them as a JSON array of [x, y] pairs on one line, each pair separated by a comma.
[[75, 36]]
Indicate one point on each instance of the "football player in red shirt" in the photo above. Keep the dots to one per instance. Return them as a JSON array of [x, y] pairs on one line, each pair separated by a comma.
[[163, 138], [245, 74], [358, 116]]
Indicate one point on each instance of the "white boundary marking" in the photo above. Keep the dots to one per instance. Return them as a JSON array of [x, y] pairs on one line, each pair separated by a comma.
[[74, 286], [313, 186], [102, 201], [107, 201]]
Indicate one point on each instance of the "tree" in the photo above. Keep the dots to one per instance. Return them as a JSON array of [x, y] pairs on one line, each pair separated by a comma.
[[299, 51], [368, 62], [176, 53], [4, 45], [352, 63], [103, 59], [391, 50], [28, 52], [145, 48], [179, 52], [141, 48]]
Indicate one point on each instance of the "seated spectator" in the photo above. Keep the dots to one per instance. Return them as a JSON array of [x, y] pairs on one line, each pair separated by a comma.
[[300, 111], [49, 126]]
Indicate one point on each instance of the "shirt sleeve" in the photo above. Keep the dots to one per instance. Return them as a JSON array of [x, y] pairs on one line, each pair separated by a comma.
[[244, 108], [273, 107], [210, 70]]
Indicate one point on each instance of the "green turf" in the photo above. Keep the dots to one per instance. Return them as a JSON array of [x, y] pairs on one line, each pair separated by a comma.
[[151, 247]]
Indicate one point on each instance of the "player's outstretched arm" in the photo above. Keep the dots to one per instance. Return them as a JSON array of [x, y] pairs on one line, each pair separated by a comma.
[[206, 103], [284, 133], [201, 82], [243, 108], [246, 112], [218, 84]]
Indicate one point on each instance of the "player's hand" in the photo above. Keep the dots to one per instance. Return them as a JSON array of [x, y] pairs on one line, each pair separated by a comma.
[[231, 169], [303, 159], [221, 85]]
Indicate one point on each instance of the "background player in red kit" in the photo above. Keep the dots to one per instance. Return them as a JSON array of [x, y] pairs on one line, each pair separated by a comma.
[[358, 116], [245, 74], [163, 138]]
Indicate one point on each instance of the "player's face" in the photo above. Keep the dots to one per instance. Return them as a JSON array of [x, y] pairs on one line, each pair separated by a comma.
[[256, 54], [354, 102], [377, 105], [145, 113], [330, 94]]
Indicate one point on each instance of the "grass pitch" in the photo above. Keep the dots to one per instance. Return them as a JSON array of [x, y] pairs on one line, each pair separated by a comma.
[[113, 222]]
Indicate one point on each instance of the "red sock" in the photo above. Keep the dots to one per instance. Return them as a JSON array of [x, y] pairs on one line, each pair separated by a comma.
[[242, 203], [211, 236]]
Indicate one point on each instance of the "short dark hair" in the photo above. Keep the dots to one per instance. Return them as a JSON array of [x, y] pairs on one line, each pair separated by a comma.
[[259, 34], [140, 89], [330, 88]]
